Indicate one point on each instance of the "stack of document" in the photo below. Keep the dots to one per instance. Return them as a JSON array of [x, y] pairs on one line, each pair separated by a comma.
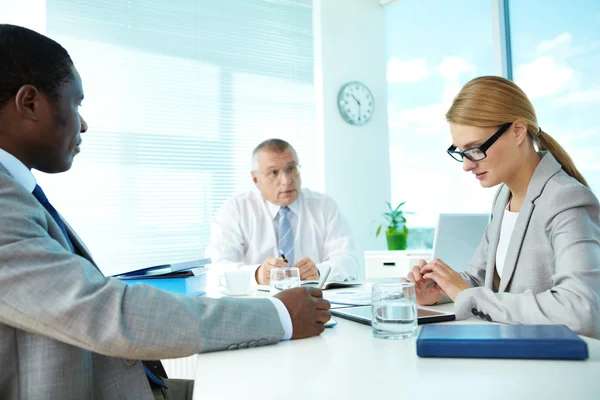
[[349, 297], [333, 284], [326, 286], [187, 277], [166, 269]]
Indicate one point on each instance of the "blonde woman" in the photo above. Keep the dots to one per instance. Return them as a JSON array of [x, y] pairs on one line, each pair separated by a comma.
[[539, 259]]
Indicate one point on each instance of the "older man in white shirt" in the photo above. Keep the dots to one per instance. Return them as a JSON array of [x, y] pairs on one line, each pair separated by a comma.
[[278, 216]]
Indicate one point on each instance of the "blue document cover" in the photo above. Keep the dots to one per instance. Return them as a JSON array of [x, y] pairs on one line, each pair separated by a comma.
[[164, 270], [189, 285], [501, 341], [175, 277]]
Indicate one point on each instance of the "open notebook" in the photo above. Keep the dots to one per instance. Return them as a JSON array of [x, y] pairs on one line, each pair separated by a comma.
[[327, 285], [322, 283]]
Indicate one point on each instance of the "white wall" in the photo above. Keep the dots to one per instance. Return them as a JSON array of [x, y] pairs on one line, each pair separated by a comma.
[[350, 46]]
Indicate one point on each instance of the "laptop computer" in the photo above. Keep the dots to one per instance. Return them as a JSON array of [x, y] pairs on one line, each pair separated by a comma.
[[363, 315], [457, 237]]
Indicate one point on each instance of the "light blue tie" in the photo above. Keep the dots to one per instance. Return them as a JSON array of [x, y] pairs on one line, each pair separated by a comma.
[[286, 238]]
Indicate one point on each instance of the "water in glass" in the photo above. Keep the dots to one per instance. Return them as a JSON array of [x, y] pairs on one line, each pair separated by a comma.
[[394, 311], [284, 278]]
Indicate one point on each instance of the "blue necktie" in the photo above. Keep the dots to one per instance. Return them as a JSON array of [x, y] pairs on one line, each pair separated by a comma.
[[39, 194], [286, 237]]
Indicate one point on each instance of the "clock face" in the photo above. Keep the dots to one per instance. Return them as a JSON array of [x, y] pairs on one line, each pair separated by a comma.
[[356, 103]]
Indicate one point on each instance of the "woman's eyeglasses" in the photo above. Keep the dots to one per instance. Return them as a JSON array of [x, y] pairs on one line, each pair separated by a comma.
[[477, 153]]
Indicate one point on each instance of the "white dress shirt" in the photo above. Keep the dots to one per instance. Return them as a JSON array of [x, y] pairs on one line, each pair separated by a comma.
[[24, 177], [245, 230], [18, 170]]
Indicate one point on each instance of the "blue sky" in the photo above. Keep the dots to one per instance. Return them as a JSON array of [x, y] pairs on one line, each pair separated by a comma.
[[556, 54]]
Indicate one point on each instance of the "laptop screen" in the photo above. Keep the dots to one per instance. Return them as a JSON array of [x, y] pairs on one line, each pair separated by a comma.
[[457, 237]]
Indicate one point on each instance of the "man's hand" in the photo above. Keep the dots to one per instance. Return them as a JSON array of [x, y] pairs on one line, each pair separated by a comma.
[[308, 269], [263, 273], [449, 281], [308, 310], [426, 296]]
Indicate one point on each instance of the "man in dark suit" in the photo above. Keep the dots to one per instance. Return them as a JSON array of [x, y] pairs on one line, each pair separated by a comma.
[[66, 330]]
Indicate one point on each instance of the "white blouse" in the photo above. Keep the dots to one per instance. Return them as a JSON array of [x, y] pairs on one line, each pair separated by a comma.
[[508, 225]]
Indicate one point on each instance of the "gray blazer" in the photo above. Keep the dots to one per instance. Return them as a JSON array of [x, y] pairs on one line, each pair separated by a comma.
[[68, 332], [552, 270]]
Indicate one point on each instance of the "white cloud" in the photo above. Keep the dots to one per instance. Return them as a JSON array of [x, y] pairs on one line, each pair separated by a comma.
[[453, 66], [579, 146], [581, 96], [428, 120], [562, 48], [559, 44], [431, 119], [580, 137], [544, 77], [583, 50], [456, 72], [399, 71]]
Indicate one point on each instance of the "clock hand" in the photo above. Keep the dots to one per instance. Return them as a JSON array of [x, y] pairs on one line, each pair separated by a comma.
[[358, 102]]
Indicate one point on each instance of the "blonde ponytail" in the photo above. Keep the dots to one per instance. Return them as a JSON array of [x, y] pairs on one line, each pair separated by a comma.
[[547, 142], [490, 101]]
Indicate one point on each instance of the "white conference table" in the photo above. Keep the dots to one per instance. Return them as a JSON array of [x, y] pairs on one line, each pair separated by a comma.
[[346, 362]]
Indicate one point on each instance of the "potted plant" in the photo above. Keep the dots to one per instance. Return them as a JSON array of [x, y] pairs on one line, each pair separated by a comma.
[[396, 231]]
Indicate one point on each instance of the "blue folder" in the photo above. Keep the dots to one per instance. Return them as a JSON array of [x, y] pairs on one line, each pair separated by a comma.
[[501, 341], [189, 285], [175, 277]]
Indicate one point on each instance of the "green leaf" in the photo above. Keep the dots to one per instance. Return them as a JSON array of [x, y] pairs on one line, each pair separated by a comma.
[[395, 222], [400, 205]]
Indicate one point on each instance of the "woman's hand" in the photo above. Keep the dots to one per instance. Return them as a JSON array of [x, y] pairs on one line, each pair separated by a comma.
[[425, 295], [448, 280]]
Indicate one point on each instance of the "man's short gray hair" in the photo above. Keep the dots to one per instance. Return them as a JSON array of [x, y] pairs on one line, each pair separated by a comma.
[[271, 145]]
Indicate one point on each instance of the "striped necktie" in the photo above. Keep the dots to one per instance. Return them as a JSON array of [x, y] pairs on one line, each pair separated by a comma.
[[286, 237]]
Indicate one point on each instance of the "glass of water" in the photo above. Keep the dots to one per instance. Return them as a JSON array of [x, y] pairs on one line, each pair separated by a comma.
[[394, 309], [284, 278]]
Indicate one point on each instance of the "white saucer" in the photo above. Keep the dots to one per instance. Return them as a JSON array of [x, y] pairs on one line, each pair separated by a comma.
[[227, 292]]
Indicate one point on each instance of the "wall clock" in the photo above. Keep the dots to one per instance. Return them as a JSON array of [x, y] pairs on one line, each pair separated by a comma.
[[356, 103]]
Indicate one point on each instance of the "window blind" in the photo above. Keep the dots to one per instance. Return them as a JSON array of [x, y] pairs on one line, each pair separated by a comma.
[[177, 94]]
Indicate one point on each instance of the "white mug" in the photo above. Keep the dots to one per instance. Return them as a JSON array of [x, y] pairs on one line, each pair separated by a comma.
[[237, 281]]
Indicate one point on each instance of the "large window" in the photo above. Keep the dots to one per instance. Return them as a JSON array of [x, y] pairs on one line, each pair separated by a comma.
[[178, 93], [556, 60], [430, 56], [553, 52]]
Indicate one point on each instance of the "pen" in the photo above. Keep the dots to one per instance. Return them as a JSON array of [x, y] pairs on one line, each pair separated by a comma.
[[282, 256], [324, 277]]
